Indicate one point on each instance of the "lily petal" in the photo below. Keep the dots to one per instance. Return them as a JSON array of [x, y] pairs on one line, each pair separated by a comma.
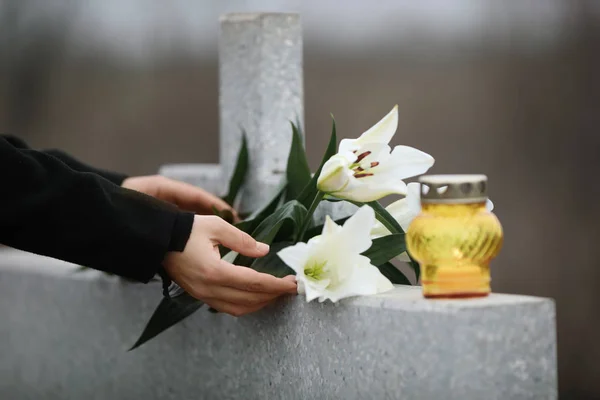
[[354, 235], [332, 267], [330, 227], [381, 132], [295, 257], [300, 286], [407, 162], [335, 175], [366, 280], [413, 196], [373, 152], [406, 209], [314, 289], [370, 189], [402, 212]]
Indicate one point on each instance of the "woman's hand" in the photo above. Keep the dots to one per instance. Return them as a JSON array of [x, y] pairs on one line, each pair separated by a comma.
[[185, 196], [228, 288]]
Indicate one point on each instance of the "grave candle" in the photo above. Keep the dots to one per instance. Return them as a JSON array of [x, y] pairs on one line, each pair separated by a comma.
[[455, 237]]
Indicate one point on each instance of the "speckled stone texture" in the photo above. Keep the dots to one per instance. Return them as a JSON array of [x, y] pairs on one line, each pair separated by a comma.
[[64, 336], [206, 176], [261, 91]]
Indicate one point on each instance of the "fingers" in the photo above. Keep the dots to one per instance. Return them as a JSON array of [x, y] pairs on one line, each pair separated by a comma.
[[235, 309], [191, 198], [238, 302], [291, 278], [247, 279], [240, 297], [237, 240]]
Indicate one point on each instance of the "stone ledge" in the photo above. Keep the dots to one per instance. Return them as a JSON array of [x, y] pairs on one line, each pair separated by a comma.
[[403, 297], [207, 176], [67, 338]]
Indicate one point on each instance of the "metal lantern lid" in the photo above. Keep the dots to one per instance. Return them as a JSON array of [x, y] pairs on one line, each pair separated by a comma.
[[440, 189]]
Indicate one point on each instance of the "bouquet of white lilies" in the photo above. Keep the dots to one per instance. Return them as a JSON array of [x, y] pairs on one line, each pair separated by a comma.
[[337, 259]]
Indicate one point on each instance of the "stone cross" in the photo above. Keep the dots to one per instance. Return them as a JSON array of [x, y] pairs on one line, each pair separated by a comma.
[[260, 91]]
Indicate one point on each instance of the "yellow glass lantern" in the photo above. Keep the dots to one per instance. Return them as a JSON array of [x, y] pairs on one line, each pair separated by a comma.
[[455, 237]]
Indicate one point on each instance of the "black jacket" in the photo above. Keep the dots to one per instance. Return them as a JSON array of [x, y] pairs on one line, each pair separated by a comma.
[[53, 205]]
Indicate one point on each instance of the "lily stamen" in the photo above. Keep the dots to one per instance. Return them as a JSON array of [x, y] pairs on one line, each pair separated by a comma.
[[362, 175], [362, 156]]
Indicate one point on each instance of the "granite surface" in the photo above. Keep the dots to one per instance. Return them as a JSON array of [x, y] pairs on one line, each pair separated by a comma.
[[260, 92], [207, 176], [64, 335]]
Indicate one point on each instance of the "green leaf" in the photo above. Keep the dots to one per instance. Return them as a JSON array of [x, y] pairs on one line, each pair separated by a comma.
[[271, 263], [289, 216], [239, 172], [308, 220], [386, 248], [385, 217], [393, 274], [298, 171], [223, 250], [310, 190], [292, 213], [416, 267], [169, 312], [252, 222]]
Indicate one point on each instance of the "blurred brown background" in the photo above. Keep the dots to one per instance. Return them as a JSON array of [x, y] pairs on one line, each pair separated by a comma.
[[509, 89]]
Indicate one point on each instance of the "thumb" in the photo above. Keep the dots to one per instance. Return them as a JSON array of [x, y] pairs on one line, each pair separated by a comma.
[[237, 240]]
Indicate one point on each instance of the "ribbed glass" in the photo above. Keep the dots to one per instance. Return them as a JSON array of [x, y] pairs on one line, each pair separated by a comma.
[[454, 244]]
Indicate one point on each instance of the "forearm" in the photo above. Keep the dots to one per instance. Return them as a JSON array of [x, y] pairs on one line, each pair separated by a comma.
[[48, 208], [70, 161], [114, 177]]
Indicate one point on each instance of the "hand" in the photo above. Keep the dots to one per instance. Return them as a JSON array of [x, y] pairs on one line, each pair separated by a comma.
[[185, 196], [228, 288]]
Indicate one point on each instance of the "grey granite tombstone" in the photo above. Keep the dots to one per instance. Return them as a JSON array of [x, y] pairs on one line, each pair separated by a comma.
[[64, 335], [260, 92]]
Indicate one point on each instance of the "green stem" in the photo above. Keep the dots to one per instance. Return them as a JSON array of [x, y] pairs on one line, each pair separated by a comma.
[[309, 214]]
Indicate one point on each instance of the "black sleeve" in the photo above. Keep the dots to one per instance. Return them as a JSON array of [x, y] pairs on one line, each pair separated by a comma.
[[75, 164], [49, 208]]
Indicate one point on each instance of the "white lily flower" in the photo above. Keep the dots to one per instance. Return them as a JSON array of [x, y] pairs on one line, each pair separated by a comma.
[[404, 211], [330, 266], [366, 169]]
